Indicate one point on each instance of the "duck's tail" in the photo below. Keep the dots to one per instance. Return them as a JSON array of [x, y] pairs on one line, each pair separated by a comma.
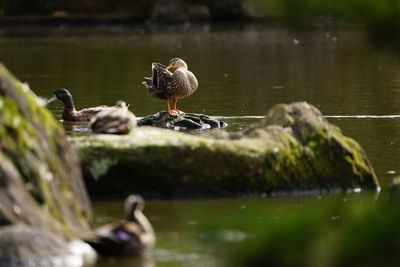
[[157, 83], [152, 82]]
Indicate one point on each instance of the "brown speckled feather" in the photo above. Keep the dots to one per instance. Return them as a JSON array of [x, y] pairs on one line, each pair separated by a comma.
[[83, 115], [116, 121], [158, 83]]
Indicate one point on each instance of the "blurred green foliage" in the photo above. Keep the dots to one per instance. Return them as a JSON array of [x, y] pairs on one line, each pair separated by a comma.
[[335, 234], [349, 9], [370, 239], [380, 16]]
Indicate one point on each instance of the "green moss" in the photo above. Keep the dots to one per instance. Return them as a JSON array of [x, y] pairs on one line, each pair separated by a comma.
[[101, 166], [19, 141], [16, 134], [33, 140], [357, 159]]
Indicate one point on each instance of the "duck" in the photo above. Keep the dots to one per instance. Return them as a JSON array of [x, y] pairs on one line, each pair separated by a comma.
[[132, 236], [70, 113], [115, 121], [171, 82]]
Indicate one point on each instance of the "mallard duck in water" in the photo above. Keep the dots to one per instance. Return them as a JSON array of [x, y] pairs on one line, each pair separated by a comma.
[[131, 236], [172, 82], [70, 113], [114, 121]]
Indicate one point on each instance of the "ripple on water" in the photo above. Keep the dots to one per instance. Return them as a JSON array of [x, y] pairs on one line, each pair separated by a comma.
[[192, 259]]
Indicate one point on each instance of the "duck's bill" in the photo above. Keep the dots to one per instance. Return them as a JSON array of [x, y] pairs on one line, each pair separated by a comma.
[[52, 99], [169, 67]]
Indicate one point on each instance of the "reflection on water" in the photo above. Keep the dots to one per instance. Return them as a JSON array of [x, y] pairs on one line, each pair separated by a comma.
[[76, 128], [242, 72]]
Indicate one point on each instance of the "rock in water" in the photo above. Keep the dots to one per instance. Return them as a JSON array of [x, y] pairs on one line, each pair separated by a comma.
[[41, 182], [293, 149], [326, 156], [186, 121]]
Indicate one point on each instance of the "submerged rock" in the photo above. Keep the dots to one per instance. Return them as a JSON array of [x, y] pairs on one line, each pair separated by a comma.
[[41, 184], [293, 149], [186, 121]]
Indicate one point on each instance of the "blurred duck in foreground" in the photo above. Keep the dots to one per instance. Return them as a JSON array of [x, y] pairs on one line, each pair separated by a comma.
[[70, 113], [114, 121], [172, 82], [132, 236]]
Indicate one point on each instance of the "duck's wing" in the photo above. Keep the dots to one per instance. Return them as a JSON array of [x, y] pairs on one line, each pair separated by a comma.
[[194, 83], [183, 84], [117, 239], [158, 83], [152, 81], [88, 113]]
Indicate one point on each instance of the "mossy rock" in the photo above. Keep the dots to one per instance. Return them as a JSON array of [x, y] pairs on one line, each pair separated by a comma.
[[293, 149], [41, 182]]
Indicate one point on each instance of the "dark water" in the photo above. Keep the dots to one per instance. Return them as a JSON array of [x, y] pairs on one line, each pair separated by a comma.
[[242, 72], [183, 238]]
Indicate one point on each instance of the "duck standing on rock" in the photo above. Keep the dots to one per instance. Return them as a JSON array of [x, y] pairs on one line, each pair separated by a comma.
[[115, 121], [132, 236], [70, 113], [172, 82]]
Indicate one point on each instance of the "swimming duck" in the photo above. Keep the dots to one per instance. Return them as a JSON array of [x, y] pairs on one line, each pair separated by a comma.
[[131, 236], [70, 113], [115, 121], [174, 81]]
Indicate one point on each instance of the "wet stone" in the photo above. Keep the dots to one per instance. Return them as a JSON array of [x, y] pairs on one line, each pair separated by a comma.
[[186, 121]]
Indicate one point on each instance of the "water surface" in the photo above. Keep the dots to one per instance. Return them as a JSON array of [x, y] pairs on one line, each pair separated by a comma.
[[183, 238], [243, 72]]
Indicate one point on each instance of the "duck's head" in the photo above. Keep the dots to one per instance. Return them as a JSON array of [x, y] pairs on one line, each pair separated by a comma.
[[132, 204], [121, 104], [61, 94], [176, 63]]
